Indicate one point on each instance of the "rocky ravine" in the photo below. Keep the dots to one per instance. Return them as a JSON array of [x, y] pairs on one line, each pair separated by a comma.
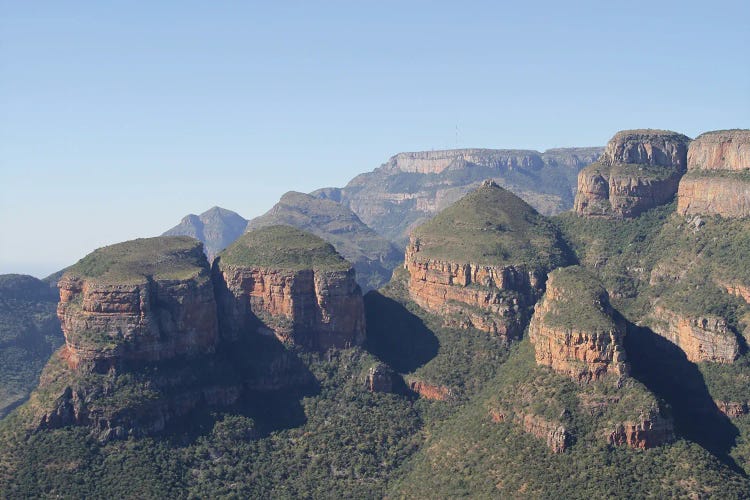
[[411, 187], [281, 281], [640, 169], [482, 262], [718, 178]]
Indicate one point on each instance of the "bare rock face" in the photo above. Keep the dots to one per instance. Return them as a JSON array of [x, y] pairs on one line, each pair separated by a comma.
[[573, 330], [554, 434], [379, 378], [647, 147], [282, 281], [733, 409], [427, 390], [640, 169], [138, 312], [473, 264], [705, 338], [649, 431], [720, 150], [718, 179]]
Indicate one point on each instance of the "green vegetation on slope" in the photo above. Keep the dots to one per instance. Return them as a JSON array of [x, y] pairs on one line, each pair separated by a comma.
[[29, 333], [581, 303], [283, 247], [491, 226], [162, 258]]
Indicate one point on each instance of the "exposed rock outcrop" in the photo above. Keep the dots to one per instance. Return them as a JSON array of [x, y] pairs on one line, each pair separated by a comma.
[[733, 409], [718, 179], [481, 262], [427, 390], [573, 330], [649, 431], [379, 378], [554, 434], [282, 281], [116, 308], [640, 169], [705, 338], [411, 187], [373, 257]]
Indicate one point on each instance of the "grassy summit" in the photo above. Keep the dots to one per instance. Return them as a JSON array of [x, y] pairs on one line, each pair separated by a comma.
[[283, 247], [581, 302], [491, 226], [160, 258]]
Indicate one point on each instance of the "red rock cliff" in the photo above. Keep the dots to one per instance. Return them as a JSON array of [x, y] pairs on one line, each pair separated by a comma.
[[640, 169], [588, 344]]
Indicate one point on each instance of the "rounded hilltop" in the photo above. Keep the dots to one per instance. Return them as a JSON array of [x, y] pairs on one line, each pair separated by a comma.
[[490, 226], [159, 258], [283, 247]]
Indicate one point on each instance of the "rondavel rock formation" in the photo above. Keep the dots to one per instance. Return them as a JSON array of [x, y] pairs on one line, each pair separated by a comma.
[[482, 262], [575, 332], [639, 169], [145, 344], [718, 177], [282, 281], [573, 328]]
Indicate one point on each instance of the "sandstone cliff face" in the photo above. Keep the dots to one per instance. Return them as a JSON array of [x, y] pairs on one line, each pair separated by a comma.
[[649, 431], [640, 169], [315, 309], [427, 390], [554, 434], [718, 179], [141, 316], [152, 320], [720, 150], [281, 281], [701, 338], [647, 147], [733, 409], [588, 347], [488, 298]]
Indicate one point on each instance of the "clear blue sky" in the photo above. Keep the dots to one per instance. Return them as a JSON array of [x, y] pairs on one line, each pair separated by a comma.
[[118, 118]]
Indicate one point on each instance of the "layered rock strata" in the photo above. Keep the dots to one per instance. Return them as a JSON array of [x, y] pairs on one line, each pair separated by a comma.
[[704, 338], [718, 178], [573, 330], [135, 312], [554, 434], [649, 431], [640, 169], [481, 263], [282, 281]]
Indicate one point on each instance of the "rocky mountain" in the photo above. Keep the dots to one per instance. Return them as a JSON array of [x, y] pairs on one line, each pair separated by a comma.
[[306, 294], [269, 375], [216, 228], [412, 187], [373, 257], [718, 177], [29, 333], [639, 170], [482, 262]]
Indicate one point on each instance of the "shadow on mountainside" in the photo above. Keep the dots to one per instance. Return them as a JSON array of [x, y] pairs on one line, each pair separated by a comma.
[[397, 336], [665, 370]]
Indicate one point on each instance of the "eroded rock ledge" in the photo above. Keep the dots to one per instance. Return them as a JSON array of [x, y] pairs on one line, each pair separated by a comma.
[[573, 330], [718, 179], [640, 169]]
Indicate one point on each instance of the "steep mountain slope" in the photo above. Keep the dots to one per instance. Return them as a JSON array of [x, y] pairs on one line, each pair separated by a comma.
[[29, 333], [373, 257], [216, 228], [411, 187]]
